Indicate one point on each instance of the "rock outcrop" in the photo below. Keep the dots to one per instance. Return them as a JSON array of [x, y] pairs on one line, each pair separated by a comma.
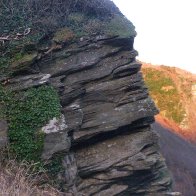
[[107, 114], [104, 132]]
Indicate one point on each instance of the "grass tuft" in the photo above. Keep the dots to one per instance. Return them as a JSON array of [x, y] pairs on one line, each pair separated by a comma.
[[19, 179]]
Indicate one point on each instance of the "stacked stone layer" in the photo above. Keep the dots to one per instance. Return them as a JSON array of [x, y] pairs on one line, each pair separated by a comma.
[[104, 130]]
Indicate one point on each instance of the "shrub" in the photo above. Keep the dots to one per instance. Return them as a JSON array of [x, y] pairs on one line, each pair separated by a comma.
[[16, 15], [121, 26]]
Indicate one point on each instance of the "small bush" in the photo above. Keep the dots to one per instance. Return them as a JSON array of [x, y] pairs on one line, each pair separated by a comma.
[[63, 35], [121, 26]]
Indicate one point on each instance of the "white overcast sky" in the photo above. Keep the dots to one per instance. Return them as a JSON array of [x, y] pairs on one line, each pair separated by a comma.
[[166, 30]]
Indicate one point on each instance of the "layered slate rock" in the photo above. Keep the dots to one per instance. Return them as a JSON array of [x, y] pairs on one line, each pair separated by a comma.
[[104, 133], [104, 130], [125, 164], [56, 137], [108, 114]]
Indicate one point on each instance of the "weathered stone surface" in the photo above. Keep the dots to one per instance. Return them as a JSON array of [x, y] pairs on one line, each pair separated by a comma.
[[3, 133], [56, 137], [103, 138], [104, 133], [71, 174], [24, 82], [105, 117], [124, 165], [107, 113]]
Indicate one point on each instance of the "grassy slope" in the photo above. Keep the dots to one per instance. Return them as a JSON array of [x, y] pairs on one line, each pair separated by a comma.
[[171, 90]]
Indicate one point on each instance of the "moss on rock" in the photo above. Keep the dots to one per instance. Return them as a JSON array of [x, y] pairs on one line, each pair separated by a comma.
[[23, 61], [63, 35]]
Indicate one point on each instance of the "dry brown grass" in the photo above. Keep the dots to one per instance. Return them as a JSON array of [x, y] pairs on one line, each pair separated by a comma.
[[18, 179]]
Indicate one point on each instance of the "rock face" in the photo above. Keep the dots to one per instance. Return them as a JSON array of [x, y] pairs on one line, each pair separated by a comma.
[[107, 114], [104, 131]]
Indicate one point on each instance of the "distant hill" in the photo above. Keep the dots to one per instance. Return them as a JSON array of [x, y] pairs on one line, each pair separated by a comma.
[[174, 92]]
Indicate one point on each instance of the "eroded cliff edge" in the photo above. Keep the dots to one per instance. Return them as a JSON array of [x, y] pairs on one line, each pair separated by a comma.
[[102, 136]]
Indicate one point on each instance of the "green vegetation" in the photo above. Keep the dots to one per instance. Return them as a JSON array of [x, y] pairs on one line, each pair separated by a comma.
[[165, 94], [82, 24], [13, 51], [27, 24], [46, 14], [63, 35], [119, 25], [55, 170], [26, 113]]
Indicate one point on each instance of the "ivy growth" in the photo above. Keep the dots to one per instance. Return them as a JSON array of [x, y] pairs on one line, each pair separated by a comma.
[[27, 112]]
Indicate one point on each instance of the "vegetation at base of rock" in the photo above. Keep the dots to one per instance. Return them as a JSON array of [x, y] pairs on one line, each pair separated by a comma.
[[26, 113], [55, 170], [165, 94], [21, 178]]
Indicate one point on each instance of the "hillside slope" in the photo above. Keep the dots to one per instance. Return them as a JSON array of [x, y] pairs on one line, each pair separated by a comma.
[[180, 158], [173, 90]]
